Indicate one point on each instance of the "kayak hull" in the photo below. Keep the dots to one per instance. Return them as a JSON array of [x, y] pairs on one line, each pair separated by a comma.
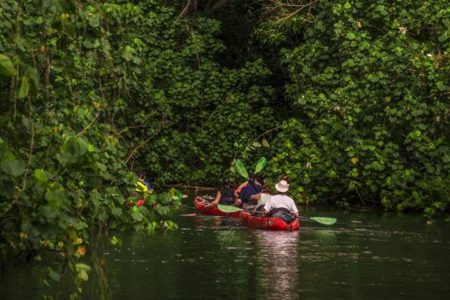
[[269, 223], [266, 223]]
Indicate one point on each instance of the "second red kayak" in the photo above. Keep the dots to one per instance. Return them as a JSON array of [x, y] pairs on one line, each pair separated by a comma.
[[200, 206]]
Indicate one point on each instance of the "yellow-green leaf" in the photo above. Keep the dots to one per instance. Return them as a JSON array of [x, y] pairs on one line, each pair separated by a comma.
[[41, 175], [6, 66], [24, 88]]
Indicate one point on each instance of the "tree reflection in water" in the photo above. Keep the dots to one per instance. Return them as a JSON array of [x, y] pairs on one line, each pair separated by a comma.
[[277, 257]]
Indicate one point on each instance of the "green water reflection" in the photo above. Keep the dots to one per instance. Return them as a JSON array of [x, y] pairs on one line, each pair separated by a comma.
[[363, 256]]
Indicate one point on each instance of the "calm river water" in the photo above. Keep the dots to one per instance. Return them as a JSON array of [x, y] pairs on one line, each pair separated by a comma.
[[362, 256]]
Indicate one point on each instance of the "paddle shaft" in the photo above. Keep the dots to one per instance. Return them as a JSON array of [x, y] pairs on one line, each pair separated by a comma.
[[320, 220]]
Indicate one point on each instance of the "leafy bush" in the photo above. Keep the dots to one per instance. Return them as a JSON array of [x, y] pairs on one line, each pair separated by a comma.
[[369, 83]]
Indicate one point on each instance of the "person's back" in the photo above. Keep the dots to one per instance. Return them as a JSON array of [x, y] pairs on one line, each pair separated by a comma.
[[241, 186], [263, 198], [281, 201], [281, 205], [252, 188], [227, 195]]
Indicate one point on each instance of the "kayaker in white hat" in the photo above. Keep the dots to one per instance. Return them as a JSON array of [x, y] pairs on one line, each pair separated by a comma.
[[281, 205]]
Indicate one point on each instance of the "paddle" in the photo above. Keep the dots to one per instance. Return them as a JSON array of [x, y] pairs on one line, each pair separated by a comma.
[[228, 208], [321, 220], [240, 168], [260, 165]]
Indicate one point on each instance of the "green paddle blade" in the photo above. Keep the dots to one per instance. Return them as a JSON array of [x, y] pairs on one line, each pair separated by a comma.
[[240, 168], [260, 165], [228, 208], [324, 220]]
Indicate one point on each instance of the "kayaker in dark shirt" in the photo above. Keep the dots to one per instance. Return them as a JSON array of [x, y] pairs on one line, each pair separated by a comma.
[[261, 199], [253, 187], [226, 195]]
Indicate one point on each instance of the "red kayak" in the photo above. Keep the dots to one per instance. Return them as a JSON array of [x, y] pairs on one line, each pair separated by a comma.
[[268, 223], [200, 205]]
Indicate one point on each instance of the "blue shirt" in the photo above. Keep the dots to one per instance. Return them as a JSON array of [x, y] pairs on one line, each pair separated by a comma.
[[249, 190]]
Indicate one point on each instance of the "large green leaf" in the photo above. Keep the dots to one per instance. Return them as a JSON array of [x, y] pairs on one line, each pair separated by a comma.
[[162, 210], [54, 275], [41, 175], [165, 198], [136, 214], [75, 146], [240, 168], [260, 165], [13, 167], [116, 211], [48, 212], [94, 20], [7, 66], [33, 76], [82, 270], [55, 198], [24, 88]]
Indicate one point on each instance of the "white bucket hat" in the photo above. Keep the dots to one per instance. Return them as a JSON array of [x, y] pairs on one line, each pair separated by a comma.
[[282, 186]]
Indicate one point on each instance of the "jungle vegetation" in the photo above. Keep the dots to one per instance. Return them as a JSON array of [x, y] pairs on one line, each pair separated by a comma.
[[349, 98]]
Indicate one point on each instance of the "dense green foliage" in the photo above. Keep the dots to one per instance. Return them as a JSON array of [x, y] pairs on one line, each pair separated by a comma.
[[370, 86], [348, 98], [63, 175]]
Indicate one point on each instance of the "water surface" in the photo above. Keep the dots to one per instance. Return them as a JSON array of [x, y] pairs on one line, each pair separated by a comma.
[[363, 256]]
